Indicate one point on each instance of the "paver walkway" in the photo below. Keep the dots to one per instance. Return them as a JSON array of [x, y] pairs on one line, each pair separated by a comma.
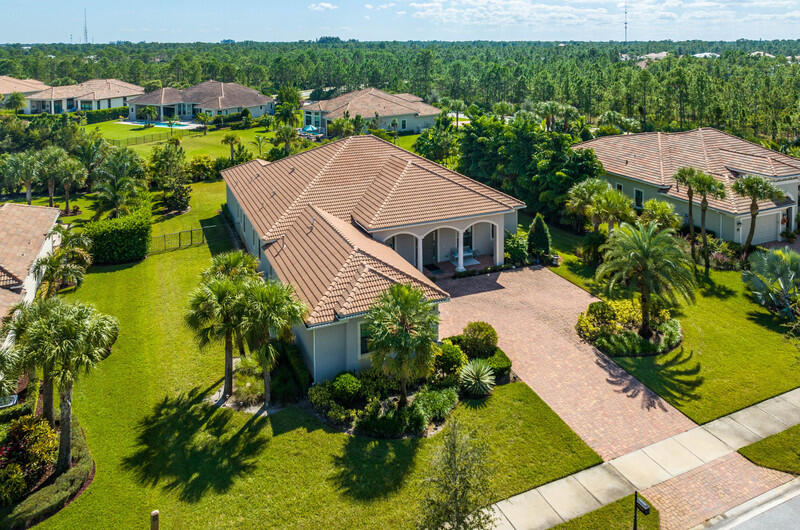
[[534, 313], [690, 477]]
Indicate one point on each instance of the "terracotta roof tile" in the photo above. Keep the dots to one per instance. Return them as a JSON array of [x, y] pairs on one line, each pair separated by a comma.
[[655, 157], [10, 84], [370, 101], [93, 89], [208, 95]]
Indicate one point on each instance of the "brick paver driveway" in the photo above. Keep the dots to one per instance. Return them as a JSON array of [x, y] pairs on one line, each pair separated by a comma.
[[534, 312]]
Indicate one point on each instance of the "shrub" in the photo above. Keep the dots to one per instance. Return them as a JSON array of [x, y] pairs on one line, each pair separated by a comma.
[[177, 199], [32, 444], [590, 248], [345, 388], [437, 404], [477, 378], [516, 247], [449, 358], [249, 365], [610, 318], [539, 241], [478, 340], [375, 384], [97, 116], [628, 343], [12, 484], [121, 240], [500, 363], [202, 167], [341, 416], [24, 408], [249, 389], [284, 388], [291, 354], [385, 420], [320, 396]]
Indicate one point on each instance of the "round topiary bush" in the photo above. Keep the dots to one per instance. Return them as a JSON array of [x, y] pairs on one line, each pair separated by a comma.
[[449, 358], [345, 388], [477, 378], [479, 340]]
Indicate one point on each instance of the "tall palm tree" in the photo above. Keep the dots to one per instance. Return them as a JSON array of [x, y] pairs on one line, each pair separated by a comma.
[[120, 181], [171, 122], [756, 189], [395, 125], [260, 142], [23, 169], [51, 158], [649, 260], [285, 113], [457, 106], [231, 140], [611, 206], [582, 196], [271, 310], [66, 264], [214, 314], [70, 174], [685, 176], [204, 119], [149, 114], [69, 339], [402, 328], [92, 152], [707, 186], [287, 136]]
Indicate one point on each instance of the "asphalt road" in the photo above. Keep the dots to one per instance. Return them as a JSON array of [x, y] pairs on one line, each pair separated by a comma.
[[784, 515]]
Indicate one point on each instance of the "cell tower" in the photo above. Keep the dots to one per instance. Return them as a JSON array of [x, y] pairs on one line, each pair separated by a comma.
[[626, 22], [86, 28]]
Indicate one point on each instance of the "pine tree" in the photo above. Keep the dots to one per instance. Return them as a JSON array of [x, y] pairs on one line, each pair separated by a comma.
[[539, 241]]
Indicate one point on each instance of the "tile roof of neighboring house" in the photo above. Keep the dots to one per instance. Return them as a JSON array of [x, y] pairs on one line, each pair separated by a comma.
[[23, 231], [10, 84], [361, 181], [338, 270], [92, 89], [208, 95], [655, 157], [369, 101]]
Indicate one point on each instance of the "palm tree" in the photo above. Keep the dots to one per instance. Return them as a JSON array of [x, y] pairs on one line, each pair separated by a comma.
[[74, 244], [686, 177], [271, 310], [285, 135], [661, 213], [172, 120], [402, 328], [457, 106], [149, 114], [650, 260], [582, 196], [204, 119], [66, 264], [66, 339], [395, 125], [234, 265], [774, 280], [285, 113], [214, 314], [91, 153], [756, 189], [260, 142], [23, 169], [120, 182], [15, 101], [267, 122], [231, 140], [51, 158], [611, 206], [71, 173], [707, 186]]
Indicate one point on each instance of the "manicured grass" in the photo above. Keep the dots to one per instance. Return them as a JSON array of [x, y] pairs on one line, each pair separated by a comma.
[[733, 354], [780, 451], [615, 516], [407, 142], [158, 444], [84, 201]]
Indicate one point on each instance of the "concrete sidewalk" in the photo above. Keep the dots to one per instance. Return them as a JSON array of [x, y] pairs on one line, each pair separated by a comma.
[[587, 490]]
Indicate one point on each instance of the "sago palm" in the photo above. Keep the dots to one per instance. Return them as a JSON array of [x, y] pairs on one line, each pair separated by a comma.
[[649, 260]]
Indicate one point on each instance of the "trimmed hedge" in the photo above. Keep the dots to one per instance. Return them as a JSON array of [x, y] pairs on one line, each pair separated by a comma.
[[51, 498], [121, 240], [500, 363], [97, 116]]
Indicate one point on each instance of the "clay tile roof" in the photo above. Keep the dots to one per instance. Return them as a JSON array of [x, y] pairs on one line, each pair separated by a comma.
[[655, 157], [23, 231], [93, 89], [10, 84], [370, 101], [338, 270], [208, 95]]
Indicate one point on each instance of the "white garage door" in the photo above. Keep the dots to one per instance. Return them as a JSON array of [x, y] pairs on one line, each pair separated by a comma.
[[766, 228]]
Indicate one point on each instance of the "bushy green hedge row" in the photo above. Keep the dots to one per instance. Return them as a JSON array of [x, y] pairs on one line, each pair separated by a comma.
[[49, 499], [121, 240], [97, 116]]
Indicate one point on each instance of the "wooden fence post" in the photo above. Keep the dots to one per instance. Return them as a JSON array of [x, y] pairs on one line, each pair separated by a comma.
[[154, 520]]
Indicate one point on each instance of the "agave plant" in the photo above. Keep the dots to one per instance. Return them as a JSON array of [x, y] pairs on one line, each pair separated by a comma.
[[477, 378], [774, 279]]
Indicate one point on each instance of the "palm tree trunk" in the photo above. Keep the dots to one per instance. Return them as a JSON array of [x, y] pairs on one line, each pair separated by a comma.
[[288, 147], [65, 436], [28, 185], [51, 189], [66, 197], [645, 331], [48, 410], [610, 226], [403, 393], [240, 344], [752, 231], [703, 208], [595, 223], [227, 388], [690, 193], [267, 387]]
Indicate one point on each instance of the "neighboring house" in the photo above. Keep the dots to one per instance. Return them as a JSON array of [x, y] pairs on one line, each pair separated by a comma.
[[211, 97], [411, 113], [343, 222], [643, 165], [94, 94], [26, 87]]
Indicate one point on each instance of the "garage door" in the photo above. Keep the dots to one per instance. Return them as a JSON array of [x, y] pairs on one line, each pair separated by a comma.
[[766, 228]]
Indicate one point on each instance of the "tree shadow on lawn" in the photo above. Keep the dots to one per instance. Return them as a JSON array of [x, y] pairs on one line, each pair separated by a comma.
[[711, 289], [668, 377], [767, 320], [218, 237], [369, 468], [192, 447]]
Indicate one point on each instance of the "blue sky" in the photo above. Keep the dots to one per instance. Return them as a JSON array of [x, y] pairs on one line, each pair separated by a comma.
[[273, 20]]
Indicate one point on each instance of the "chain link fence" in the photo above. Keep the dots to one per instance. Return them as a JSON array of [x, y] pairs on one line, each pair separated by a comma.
[[190, 238], [149, 138]]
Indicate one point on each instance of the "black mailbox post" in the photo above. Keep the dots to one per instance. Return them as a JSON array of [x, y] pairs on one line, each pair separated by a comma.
[[639, 505]]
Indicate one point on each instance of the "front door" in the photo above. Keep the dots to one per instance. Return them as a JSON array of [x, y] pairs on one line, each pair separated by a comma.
[[429, 244]]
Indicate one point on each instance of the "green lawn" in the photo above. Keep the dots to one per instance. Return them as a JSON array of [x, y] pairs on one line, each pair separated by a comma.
[[733, 353], [407, 141], [159, 445], [780, 451], [615, 516]]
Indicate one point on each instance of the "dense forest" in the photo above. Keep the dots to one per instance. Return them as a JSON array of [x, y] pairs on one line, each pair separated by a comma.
[[751, 95]]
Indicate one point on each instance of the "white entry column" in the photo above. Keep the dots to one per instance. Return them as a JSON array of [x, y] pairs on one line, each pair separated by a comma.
[[499, 245], [419, 254], [460, 267]]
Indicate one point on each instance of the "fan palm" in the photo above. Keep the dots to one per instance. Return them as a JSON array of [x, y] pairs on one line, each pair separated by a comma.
[[23, 169], [260, 142], [285, 113], [204, 119], [149, 114], [402, 328], [707, 186], [650, 260], [582, 195], [287, 136], [685, 176], [756, 189], [120, 181], [271, 310], [51, 157], [611, 206], [774, 279], [91, 153], [232, 141]]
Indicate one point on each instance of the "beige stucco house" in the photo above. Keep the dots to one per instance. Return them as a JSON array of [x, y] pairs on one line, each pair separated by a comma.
[[26, 87], [94, 94], [343, 222], [642, 165], [412, 114]]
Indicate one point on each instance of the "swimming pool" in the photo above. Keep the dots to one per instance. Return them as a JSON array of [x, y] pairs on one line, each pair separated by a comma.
[[177, 125]]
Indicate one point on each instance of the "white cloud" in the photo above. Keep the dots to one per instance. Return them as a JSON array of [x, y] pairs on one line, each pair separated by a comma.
[[323, 6], [401, 12], [368, 6]]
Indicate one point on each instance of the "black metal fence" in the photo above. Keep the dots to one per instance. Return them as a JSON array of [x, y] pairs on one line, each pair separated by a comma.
[[189, 238], [150, 138]]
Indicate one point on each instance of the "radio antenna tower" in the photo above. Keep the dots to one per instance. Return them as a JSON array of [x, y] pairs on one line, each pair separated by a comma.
[[626, 22], [86, 28]]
